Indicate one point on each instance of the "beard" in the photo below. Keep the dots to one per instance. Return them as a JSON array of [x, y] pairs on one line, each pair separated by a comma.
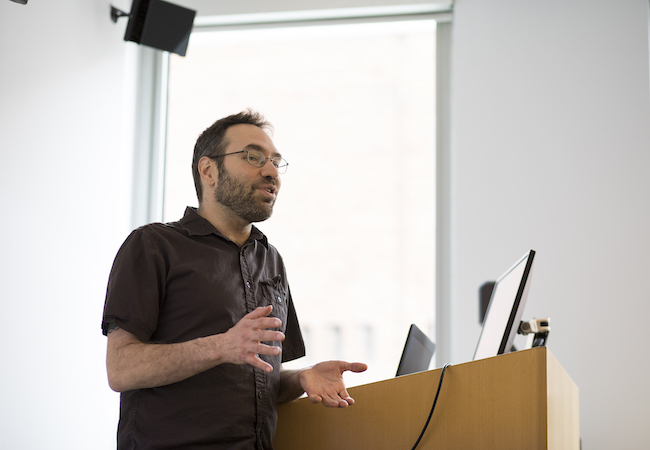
[[241, 198]]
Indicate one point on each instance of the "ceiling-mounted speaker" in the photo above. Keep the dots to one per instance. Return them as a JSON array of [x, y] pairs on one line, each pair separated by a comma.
[[160, 24]]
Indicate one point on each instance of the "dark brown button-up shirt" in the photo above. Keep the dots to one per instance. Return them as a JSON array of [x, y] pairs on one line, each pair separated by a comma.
[[183, 280]]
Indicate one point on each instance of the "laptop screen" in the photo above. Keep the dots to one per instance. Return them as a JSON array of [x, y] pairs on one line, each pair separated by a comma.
[[417, 353]]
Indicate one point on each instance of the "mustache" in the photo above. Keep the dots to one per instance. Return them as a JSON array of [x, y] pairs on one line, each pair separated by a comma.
[[265, 182]]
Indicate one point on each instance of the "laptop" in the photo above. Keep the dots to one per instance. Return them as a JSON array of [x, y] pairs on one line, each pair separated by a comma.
[[417, 354]]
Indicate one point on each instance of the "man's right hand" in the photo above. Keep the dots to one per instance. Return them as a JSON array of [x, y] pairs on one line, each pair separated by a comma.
[[243, 343]]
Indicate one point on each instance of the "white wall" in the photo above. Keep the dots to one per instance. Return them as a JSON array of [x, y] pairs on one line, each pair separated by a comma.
[[65, 182], [552, 151]]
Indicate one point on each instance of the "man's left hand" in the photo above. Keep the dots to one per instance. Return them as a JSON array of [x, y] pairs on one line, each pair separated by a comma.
[[324, 382]]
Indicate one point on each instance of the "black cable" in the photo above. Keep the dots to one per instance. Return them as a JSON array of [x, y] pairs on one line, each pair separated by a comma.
[[442, 374]]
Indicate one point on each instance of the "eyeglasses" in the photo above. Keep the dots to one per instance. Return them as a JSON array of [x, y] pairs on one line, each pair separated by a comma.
[[257, 159]]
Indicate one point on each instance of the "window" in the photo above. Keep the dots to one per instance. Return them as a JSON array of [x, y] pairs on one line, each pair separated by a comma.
[[354, 112]]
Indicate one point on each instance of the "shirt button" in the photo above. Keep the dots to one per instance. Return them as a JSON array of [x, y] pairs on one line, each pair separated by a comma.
[[259, 394], [248, 284], [280, 299]]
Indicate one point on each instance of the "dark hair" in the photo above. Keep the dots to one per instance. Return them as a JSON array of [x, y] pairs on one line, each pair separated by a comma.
[[212, 142]]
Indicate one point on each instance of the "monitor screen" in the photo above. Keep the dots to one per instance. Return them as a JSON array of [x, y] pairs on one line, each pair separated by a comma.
[[505, 309]]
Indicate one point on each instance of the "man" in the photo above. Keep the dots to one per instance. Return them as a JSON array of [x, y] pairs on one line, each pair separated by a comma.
[[199, 316]]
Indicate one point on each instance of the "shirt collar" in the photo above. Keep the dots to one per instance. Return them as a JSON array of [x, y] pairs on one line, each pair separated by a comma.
[[196, 225]]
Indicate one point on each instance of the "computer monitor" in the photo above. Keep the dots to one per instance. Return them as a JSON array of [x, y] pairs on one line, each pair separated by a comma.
[[505, 309], [417, 353]]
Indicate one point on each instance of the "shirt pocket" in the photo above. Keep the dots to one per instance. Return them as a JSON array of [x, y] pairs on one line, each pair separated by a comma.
[[275, 293]]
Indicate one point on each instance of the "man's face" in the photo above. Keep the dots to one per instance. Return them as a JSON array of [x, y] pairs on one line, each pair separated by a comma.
[[249, 192]]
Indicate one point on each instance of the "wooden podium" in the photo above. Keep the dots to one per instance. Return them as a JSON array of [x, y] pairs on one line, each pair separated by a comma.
[[521, 400]]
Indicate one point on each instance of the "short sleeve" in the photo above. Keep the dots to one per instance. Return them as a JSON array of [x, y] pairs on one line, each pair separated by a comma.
[[293, 346], [136, 286]]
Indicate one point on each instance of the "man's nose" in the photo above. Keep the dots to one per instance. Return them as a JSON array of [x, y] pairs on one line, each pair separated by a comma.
[[269, 170]]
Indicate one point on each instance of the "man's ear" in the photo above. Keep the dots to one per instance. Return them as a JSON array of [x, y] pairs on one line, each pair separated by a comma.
[[208, 172]]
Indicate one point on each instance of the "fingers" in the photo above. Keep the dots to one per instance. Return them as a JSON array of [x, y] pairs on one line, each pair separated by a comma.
[[345, 397], [352, 367], [315, 398], [256, 326], [258, 319], [268, 336], [245, 342], [358, 367], [263, 349], [336, 403], [334, 400], [256, 347], [254, 359], [260, 311]]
